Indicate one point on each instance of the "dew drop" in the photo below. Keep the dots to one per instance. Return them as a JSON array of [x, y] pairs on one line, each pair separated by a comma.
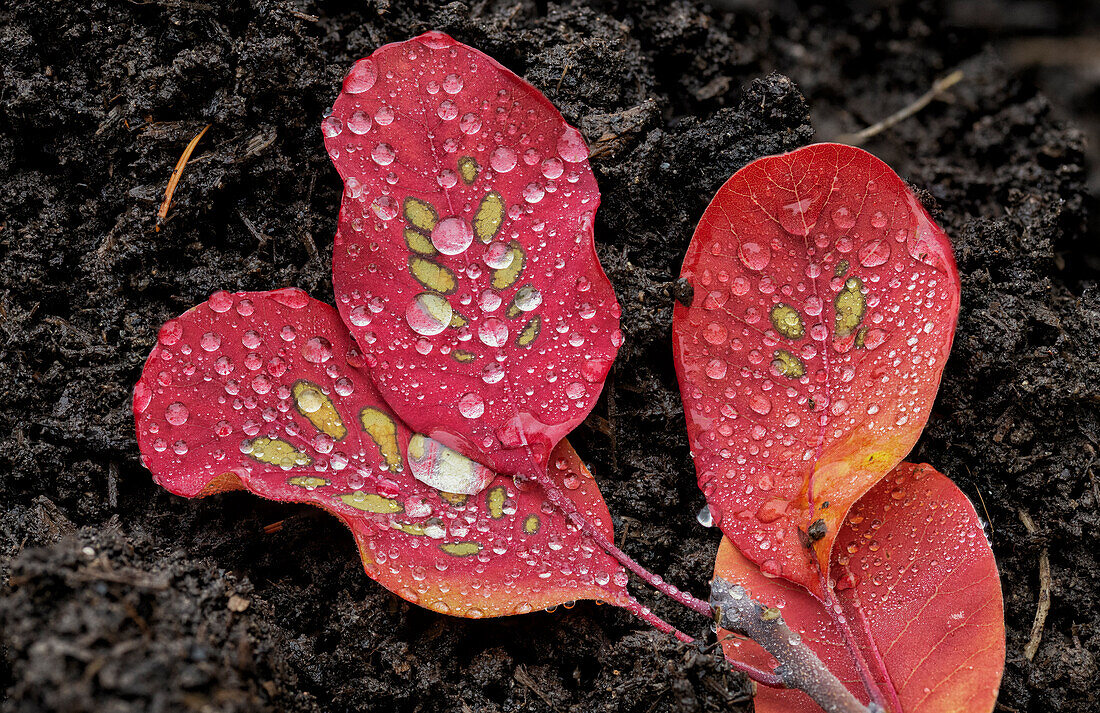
[[331, 126], [429, 314], [470, 405], [503, 159], [451, 236], [176, 414], [571, 146], [359, 122], [317, 350], [874, 252], [493, 332], [362, 77], [221, 301], [754, 256], [210, 342]]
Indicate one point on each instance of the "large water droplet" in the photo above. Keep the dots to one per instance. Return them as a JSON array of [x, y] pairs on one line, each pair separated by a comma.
[[451, 236], [221, 301], [331, 126], [571, 146], [527, 298], [383, 154], [754, 255], [503, 159], [499, 256], [429, 314], [317, 350], [874, 252], [493, 332], [361, 77], [176, 414], [470, 405], [359, 122]]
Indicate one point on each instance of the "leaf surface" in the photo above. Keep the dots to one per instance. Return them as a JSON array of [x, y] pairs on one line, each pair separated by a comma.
[[265, 391], [825, 302], [919, 590], [464, 261]]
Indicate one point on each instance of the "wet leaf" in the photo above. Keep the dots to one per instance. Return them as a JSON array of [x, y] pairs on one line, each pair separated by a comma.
[[464, 262], [825, 302], [918, 589], [264, 391]]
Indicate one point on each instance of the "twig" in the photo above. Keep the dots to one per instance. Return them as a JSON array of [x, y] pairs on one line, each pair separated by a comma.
[[1043, 606], [523, 677], [939, 87], [175, 178], [798, 666]]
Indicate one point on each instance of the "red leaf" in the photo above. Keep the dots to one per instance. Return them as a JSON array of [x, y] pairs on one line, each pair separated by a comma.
[[464, 262], [919, 591], [825, 301], [263, 391]]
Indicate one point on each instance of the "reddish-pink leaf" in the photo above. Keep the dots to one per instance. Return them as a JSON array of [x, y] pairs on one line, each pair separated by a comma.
[[918, 591], [464, 262], [825, 301], [264, 391]]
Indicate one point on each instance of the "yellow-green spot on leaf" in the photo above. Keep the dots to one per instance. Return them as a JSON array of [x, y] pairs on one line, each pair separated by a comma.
[[312, 403], [531, 524], [274, 451], [861, 337], [529, 332], [420, 214], [463, 356], [457, 320], [489, 217], [418, 242], [841, 268], [309, 482], [787, 321], [788, 364], [381, 428], [850, 307], [494, 500], [432, 275], [410, 528], [505, 277], [461, 549], [371, 502], [468, 169], [455, 499]]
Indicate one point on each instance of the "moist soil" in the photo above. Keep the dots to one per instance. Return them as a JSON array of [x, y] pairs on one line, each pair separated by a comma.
[[117, 596]]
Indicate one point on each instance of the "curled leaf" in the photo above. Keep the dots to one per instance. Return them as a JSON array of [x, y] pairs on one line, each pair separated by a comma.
[[825, 302], [916, 588], [464, 261], [265, 391]]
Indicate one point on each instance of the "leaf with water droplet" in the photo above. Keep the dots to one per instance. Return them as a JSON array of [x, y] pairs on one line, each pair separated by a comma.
[[282, 407], [825, 302], [464, 261], [916, 584]]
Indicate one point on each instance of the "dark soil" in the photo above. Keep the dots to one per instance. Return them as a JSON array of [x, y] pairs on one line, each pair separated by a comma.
[[117, 596]]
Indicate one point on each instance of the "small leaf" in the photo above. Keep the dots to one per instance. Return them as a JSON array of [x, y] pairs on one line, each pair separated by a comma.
[[464, 260], [264, 391], [918, 587], [825, 302]]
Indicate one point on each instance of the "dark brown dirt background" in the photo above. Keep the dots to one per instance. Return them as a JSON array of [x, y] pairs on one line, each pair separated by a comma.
[[116, 596]]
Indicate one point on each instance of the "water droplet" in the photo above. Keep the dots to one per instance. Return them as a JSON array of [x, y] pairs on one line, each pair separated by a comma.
[[576, 390], [221, 301], [493, 332], [451, 236], [716, 369], [291, 297], [469, 124], [210, 342], [499, 256], [361, 77], [385, 207], [489, 301], [492, 373], [527, 298], [452, 84], [503, 159], [704, 517], [383, 154], [429, 314], [331, 126], [552, 168], [754, 256], [533, 193], [571, 146], [843, 218], [317, 350], [383, 116], [760, 404], [874, 252], [142, 396], [715, 333], [176, 414], [359, 122], [470, 405]]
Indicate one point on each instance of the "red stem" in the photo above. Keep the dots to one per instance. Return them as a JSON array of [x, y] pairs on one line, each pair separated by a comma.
[[570, 509]]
